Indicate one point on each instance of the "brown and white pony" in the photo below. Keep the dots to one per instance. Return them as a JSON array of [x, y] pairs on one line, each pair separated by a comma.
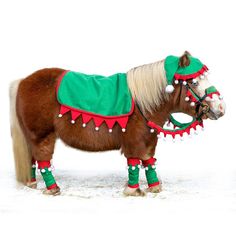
[[35, 125]]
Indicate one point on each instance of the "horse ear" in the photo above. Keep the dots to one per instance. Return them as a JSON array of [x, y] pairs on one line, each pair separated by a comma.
[[184, 60]]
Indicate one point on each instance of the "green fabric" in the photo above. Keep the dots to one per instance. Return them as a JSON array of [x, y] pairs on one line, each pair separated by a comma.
[[133, 176], [181, 126], [151, 175], [107, 96], [172, 67], [210, 90], [33, 172], [48, 177]]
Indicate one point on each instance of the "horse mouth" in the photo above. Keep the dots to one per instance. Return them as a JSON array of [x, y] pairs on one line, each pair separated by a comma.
[[213, 115]]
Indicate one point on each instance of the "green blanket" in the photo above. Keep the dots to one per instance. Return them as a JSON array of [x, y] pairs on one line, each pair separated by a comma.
[[96, 94]]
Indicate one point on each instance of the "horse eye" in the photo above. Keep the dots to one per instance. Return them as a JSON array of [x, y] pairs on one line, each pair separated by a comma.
[[194, 82]]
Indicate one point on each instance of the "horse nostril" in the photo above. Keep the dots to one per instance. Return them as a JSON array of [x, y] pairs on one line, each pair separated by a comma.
[[221, 108]]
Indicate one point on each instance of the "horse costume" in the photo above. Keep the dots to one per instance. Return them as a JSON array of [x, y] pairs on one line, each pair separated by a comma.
[[125, 111]]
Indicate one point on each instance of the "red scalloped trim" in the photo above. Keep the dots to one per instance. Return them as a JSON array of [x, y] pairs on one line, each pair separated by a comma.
[[191, 76], [98, 119], [174, 132]]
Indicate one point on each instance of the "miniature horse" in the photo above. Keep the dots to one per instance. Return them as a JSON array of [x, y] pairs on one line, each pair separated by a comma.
[[35, 125]]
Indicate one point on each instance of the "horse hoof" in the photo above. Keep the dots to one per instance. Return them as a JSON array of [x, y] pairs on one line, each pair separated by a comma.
[[32, 185], [155, 189], [135, 192], [54, 191]]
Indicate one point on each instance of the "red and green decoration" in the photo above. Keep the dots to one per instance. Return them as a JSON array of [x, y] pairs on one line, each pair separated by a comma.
[[179, 128], [175, 73], [95, 97], [134, 165]]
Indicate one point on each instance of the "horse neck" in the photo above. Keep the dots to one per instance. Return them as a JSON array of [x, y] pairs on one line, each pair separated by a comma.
[[174, 104]]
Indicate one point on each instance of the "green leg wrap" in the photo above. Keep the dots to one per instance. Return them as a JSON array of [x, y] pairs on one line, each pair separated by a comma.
[[133, 169], [151, 175], [33, 173], [133, 176], [48, 178]]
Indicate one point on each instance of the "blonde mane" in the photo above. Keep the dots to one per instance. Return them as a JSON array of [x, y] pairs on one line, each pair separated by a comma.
[[147, 85]]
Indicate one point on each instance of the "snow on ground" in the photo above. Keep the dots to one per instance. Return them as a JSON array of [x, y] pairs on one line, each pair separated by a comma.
[[198, 197]]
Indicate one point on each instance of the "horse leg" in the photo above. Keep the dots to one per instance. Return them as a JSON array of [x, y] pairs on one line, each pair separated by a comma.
[[33, 182], [132, 188], [42, 151], [154, 185]]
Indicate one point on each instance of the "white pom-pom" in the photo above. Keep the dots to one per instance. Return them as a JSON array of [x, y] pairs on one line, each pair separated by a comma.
[[133, 167], [139, 166], [146, 168], [43, 170], [84, 125], [33, 166], [206, 73], [72, 122], [60, 115], [169, 88], [202, 76], [123, 130], [187, 99], [96, 128], [49, 169], [184, 83], [194, 81], [176, 81], [152, 130], [153, 166], [110, 130], [192, 104]]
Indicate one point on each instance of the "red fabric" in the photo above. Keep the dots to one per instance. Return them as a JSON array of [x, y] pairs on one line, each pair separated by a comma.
[[123, 121], [98, 121], [110, 123], [133, 186], [43, 164], [133, 161], [75, 115], [153, 184], [64, 110], [191, 76], [32, 180], [150, 161], [86, 118], [52, 186]]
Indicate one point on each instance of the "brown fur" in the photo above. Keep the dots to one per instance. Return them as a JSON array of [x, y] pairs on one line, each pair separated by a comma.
[[37, 111], [184, 60]]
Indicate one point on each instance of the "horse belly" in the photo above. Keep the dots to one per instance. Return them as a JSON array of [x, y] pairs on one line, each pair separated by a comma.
[[87, 139]]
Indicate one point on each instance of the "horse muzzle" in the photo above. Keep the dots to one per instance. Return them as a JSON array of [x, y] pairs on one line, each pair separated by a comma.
[[216, 113]]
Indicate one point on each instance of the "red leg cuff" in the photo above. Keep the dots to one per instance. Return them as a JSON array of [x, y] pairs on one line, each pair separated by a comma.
[[150, 161], [133, 161], [44, 164]]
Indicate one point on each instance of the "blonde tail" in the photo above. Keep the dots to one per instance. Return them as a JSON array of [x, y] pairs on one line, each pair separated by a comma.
[[20, 147]]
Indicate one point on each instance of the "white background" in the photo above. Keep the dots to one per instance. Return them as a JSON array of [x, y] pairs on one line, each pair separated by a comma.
[[105, 37]]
